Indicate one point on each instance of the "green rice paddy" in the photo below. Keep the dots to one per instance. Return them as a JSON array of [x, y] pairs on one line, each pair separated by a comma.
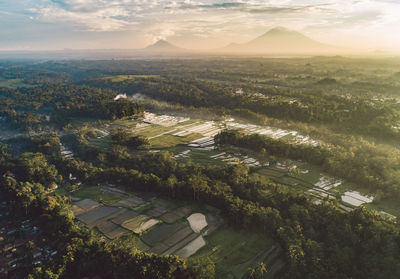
[[234, 251]]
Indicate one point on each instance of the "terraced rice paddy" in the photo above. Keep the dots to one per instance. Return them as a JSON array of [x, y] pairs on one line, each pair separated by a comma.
[[184, 232], [191, 248], [123, 217], [161, 233], [197, 135], [98, 215], [165, 235], [87, 204], [234, 251]]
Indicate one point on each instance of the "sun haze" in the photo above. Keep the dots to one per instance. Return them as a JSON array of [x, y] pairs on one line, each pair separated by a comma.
[[193, 24]]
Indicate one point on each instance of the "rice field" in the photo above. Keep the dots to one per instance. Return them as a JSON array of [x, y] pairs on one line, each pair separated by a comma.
[[355, 198], [201, 149], [186, 230], [173, 133], [191, 248], [97, 194], [234, 251], [98, 215], [124, 216], [87, 204], [197, 222], [160, 233]]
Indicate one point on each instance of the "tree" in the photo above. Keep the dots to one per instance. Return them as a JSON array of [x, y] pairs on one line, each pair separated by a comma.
[[258, 271]]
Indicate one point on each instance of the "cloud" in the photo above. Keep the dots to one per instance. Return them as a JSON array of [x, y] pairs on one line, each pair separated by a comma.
[[248, 7], [135, 23]]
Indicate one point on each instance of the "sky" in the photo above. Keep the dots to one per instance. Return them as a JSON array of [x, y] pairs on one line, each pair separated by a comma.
[[193, 24]]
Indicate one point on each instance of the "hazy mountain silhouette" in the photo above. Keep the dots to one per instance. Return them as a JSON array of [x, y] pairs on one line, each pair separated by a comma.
[[283, 41], [163, 46]]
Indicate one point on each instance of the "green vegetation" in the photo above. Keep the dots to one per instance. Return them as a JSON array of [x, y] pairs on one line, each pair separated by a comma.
[[97, 194], [121, 78], [170, 140], [38, 107], [341, 118], [13, 83], [234, 251], [367, 168]]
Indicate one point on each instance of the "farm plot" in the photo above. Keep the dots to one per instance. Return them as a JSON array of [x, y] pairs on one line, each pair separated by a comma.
[[135, 222], [236, 158], [207, 129], [206, 143], [319, 186], [159, 248], [169, 218], [139, 224], [157, 211], [197, 155], [96, 194], [214, 221], [132, 201], [152, 131], [119, 231], [163, 120], [275, 133], [146, 225], [197, 222], [181, 244], [160, 233], [168, 140], [125, 216], [98, 215], [87, 204], [234, 251], [176, 214], [355, 198], [191, 248], [327, 183], [107, 227], [178, 236]]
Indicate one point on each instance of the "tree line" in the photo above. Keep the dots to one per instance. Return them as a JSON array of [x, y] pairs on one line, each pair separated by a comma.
[[359, 163]]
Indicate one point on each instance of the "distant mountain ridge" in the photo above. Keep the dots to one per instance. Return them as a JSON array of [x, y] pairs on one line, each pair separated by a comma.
[[163, 46], [280, 40]]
